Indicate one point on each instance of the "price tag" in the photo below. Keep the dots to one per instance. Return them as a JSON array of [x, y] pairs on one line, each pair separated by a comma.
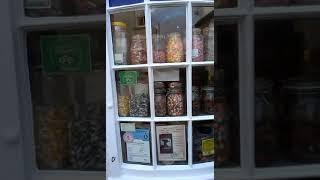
[[166, 75], [128, 127]]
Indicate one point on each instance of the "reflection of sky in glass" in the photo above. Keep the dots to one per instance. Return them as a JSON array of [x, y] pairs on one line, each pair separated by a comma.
[[170, 19]]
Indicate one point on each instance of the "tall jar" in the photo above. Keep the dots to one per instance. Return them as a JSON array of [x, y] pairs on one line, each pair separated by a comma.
[[138, 52], [303, 112], [123, 101], [160, 100], [159, 49], [197, 45], [208, 100], [120, 43], [196, 101], [208, 34], [139, 101], [174, 47], [175, 99]]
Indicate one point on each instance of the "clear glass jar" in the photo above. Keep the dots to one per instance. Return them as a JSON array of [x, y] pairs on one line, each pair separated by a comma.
[[138, 51], [208, 99], [123, 101], [197, 45], [208, 51], [175, 52], [175, 99], [120, 43], [160, 100], [196, 101], [139, 101], [159, 49], [303, 111]]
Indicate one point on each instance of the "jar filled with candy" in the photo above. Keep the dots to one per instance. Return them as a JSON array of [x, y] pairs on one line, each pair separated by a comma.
[[159, 52], [123, 101], [208, 42], [197, 45], [175, 99], [138, 52], [175, 52], [139, 101], [208, 100], [160, 100]]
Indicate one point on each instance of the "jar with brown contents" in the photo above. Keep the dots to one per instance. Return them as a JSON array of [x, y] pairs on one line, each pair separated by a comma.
[[208, 100], [138, 52], [175, 99], [160, 100]]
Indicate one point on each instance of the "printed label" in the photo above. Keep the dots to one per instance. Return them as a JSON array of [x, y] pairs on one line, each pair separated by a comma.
[[128, 77], [207, 147], [128, 127], [195, 53]]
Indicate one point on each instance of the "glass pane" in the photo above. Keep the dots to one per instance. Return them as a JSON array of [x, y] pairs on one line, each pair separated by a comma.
[[226, 127], [172, 146], [136, 142], [37, 8], [133, 93], [170, 92], [203, 141], [202, 90], [287, 92], [225, 3], [285, 2], [123, 2], [129, 38], [202, 34], [169, 32], [67, 74]]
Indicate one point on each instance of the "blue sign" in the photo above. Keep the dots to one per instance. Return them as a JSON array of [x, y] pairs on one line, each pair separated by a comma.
[[113, 3]]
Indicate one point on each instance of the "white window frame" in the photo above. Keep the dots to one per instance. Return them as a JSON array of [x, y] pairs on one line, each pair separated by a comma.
[[116, 168]]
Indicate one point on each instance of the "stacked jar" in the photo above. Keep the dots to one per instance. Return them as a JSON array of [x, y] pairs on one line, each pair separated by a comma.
[[120, 43], [138, 53], [160, 100], [208, 42], [197, 45], [159, 52], [139, 101], [175, 49], [175, 99]]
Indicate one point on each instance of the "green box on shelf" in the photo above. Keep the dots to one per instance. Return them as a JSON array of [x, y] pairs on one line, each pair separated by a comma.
[[66, 53], [128, 78]]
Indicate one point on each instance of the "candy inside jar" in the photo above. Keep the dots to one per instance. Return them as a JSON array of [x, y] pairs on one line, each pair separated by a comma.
[[138, 52], [197, 45], [159, 52], [160, 100], [175, 52], [175, 99]]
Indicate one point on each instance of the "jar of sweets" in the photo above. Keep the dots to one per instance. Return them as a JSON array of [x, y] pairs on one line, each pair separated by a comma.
[[175, 99]]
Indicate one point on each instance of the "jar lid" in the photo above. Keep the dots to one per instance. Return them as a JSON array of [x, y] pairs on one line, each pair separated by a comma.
[[173, 85], [119, 23], [175, 34], [208, 88], [159, 85], [196, 31], [138, 36]]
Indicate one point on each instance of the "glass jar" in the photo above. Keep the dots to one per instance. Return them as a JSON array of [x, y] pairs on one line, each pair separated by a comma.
[[160, 100], [303, 112], [208, 99], [175, 48], [265, 119], [196, 101], [208, 51], [138, 52], [120, 43], [139, 101], [175, 99], [197, 45], [123, 101], [159, 52]]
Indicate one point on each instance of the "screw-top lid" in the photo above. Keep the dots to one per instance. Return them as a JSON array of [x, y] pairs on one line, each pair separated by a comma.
[[119, 23]]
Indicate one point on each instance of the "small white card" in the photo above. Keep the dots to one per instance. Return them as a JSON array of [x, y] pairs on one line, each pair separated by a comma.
[[166, 75], [128, 127]]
